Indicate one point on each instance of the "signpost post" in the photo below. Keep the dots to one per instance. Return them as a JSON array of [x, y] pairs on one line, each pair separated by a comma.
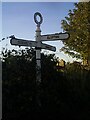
[[39, 45], [38, 48]]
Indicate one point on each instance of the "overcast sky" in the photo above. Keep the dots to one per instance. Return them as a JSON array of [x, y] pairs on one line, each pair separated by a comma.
[[18, 20]]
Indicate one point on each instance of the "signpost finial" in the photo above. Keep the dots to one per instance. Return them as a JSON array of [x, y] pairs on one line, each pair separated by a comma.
[[36, 20]]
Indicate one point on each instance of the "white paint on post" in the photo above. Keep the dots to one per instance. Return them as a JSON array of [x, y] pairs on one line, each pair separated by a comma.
[[38, 48], [38, 55]]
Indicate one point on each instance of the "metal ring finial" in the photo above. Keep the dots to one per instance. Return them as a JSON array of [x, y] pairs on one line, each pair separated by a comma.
[[35, 18]]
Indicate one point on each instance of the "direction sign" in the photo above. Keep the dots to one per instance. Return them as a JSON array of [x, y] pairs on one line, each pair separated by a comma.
[[48, 47], [21, 42], [56, 36]]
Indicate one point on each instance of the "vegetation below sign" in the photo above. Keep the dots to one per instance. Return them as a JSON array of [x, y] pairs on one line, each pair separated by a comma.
[[62, 94]]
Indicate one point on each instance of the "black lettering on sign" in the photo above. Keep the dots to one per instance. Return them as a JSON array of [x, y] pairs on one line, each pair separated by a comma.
[[53, 37], [48, 37]]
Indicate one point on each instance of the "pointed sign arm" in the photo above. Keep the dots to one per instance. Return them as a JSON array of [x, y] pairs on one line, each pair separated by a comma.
[[48, 47], [21, 42], [54, 37]]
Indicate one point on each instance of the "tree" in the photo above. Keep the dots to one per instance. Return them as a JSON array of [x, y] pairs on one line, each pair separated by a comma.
[[77, 23]]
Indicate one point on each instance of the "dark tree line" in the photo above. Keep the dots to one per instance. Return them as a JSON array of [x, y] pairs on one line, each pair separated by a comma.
[[60, 95]]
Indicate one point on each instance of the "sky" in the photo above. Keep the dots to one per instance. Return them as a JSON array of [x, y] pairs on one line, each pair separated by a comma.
[[18, 20], [41, 0]]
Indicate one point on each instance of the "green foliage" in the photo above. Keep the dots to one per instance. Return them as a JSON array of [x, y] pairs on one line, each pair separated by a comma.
[[60, 95], [18, 82], [77, 23]]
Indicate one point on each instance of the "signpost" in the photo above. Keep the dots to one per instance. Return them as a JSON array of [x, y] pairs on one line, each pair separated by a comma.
[[38, 46], [38, 43]]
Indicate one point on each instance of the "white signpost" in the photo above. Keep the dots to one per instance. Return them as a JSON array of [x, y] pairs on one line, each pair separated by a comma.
[[39, 45]]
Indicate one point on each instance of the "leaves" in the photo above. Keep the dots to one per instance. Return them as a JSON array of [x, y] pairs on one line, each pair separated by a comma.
[[60, 94], [76, 23]]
